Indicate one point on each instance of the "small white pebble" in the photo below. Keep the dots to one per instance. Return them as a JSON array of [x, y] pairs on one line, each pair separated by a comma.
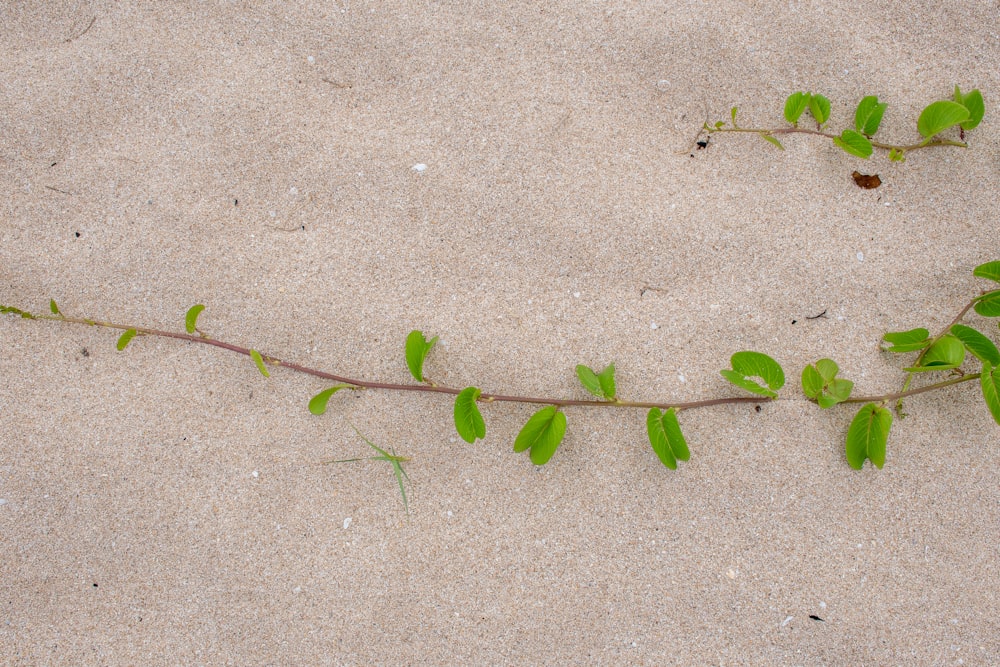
[[680, 376], [662, 85], [822, 605], [576, 295], [3, 501], [449, 513], [731, 573], [419, 167], [654, 326], [347, 523], [787, 621], [297, 589], [310, 60], [255, 474], [861, 256]]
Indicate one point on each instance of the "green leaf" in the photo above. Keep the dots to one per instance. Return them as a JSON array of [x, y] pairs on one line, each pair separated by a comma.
[[973, 101], [978, 344], [53, 307], [939, 116], [666, 438], [747, 365], [126, 338], [719, 125], [854, 143], [600, 384], [542, 433], [468, 421], [989, 270], [317, 404], [906, 341], [417, 347], [897, 155], [769, 138], [607, 380], [17, 311], [820, 383], [988, 305], [795, 105], [989, 380], [946, 353], [867, 436], [819, 107], [191, 318], [259, 360], [868, 116], [732, 114]]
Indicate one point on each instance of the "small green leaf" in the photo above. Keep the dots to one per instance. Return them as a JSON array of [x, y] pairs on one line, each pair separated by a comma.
[[747, 365], [317, 404], [732, 114], [600, 384], [946, 353], [868, 116], [989, 380], [607, 380], [973, 101], [867, 436], [191, 318], [989, 270], [769, 138], [820, 383], [53, 307], [854, 143], [543, 433], [666, 438], [897, 155], [988, 305], [468, 421], [259, 360], [906, 341], [795, 105], [819, 107], [417, 347], [126, 338], [978, 344], [939, 116]]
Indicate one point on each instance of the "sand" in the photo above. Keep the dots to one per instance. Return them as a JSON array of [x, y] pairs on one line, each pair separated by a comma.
[[167, 505]]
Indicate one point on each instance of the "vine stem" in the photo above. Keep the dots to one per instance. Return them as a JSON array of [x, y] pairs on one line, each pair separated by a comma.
[[392, 386], [828, 135]]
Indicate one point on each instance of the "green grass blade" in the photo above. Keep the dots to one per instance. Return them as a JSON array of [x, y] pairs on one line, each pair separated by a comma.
[[469, 421], [867, 436], [191, 318]]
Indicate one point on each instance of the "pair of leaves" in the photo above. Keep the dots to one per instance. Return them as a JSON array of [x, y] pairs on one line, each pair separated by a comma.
[[867, 119], [797, 103], [666, 438], [965, 110], [600, 384], [746, 366], [867, 436], [820, 383]]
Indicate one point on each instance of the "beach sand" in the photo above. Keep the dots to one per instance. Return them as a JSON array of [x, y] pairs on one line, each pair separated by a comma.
[[520, 180]]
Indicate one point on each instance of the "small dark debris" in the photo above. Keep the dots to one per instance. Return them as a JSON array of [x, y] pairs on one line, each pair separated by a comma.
[[756, 408], [53, 164], [77, 234], [794, 321], [85, 352], [702, 144], [866, 181], [816, 618], [816, 317], [95, 584]]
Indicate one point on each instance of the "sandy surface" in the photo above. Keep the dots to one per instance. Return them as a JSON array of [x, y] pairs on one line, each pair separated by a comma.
[[167, 505]]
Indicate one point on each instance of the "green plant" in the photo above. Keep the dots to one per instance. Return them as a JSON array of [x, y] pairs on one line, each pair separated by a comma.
[[754, 372], [393, 459], [964, 111]]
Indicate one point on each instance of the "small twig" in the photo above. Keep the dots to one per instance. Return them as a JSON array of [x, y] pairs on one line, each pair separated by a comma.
[[81, 34]]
